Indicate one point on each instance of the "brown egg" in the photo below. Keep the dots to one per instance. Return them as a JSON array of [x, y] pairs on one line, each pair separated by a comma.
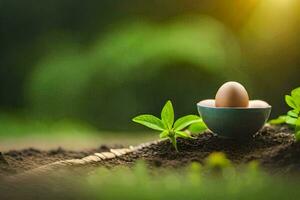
[[232, 94]]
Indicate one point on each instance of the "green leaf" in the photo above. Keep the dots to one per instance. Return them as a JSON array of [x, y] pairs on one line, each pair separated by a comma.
[[297, 135], [296, 96], [198, 127], [297, 124], [185, 121], [150, 121], [164, 134], [296, 92], [167, 115], [293, 113], [297, 111], [174, 142], [217, 160], [290, 101], [183, 134], [291, 120], [280, 120]]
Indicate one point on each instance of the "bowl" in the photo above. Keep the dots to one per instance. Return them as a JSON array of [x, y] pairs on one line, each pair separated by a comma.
[[234, 122]]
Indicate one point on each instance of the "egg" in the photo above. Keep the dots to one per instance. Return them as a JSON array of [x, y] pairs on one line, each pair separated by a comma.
[[232, 94]]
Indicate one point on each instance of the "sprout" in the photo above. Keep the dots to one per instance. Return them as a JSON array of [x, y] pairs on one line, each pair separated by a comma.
[[168, 129], [292, 117]]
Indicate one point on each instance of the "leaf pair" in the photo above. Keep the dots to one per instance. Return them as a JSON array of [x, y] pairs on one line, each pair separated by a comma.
[[166, 124]]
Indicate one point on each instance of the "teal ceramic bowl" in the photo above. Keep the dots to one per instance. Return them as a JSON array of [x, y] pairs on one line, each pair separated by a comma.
[[234, 122]]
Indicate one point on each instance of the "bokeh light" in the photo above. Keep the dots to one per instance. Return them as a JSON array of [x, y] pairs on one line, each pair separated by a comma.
[[78, 61]]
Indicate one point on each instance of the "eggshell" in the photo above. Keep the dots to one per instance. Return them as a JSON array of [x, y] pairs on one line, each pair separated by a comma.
[[208, 103], [232, 94], [258, 104]]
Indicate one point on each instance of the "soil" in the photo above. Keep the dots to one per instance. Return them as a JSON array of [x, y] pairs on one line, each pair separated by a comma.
[[274, 147], [13, 162]]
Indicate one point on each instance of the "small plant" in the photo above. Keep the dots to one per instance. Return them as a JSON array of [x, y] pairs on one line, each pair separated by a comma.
[[166, 124], [217, 160], [292, 117]]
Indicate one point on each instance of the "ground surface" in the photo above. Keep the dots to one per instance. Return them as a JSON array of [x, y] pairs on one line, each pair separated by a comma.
[[274, 147], [14, 161]]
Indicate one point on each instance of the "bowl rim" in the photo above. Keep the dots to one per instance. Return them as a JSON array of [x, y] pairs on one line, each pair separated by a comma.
[[200, 104]]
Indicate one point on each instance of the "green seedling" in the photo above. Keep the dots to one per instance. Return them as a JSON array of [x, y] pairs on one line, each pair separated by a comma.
[[167, 127], [292, 117], [217, 160]]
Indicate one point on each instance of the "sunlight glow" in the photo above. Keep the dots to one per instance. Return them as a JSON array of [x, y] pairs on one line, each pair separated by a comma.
[[283, 2], [272, 25]]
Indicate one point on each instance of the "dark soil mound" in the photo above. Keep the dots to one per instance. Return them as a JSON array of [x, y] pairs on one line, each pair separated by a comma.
[[274, 147]]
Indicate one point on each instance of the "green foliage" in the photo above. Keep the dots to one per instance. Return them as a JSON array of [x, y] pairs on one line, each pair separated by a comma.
[[186, 121], [150, 121], [166, 124], [198, 127], [246, 182], [217, 160], [93, 82], [167, 115], [18, 125], [292, 117], [280, 120], [297, 135]]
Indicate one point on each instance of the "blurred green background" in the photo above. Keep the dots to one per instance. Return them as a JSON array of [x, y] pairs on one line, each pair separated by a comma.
[[93, 65]]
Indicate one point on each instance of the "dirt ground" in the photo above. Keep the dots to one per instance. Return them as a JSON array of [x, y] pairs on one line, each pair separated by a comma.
[[274, 147], [17, 161]]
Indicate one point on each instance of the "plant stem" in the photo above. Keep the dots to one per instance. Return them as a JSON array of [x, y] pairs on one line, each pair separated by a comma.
[[174, 142]]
